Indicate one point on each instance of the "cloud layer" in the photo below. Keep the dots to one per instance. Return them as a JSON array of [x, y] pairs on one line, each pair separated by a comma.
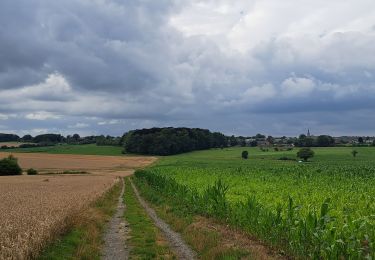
[[106, 66]]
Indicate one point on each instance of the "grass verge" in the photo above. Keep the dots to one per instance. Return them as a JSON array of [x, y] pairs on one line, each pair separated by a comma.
[[84, 239], [145, 239], [210, 240]]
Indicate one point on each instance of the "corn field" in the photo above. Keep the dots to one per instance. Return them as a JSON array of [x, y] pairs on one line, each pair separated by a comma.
[[320, 210]]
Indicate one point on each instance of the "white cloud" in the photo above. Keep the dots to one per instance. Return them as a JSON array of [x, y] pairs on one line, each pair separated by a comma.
[[3, 117], [42, 115], [295, 86], [55, 87], [79, 125], [109, 122]]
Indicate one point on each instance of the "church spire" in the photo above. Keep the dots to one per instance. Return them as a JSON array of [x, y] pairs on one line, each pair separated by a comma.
[[308, 133]]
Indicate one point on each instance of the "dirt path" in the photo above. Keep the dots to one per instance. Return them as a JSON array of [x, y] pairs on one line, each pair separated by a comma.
[[177, 244], [114, 239]]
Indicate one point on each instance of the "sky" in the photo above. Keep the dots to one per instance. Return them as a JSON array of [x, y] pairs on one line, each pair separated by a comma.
[[239, 67]]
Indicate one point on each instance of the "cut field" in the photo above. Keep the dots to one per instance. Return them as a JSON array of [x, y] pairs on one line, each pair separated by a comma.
[[36, 209], [10, 144], [51, 163], [323, 208]]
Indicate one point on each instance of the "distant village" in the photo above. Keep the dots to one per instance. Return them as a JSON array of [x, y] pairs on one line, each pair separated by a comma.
[[307, 139]]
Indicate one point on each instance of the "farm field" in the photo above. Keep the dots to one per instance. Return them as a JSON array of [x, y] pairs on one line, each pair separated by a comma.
[[57, 163], [11, 144], [35, 209], [323, 208], [84, 149]]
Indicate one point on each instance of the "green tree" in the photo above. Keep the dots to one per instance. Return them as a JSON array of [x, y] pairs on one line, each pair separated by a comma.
[[233, 141], [305, 153], [32, 171], [245, 154], [325, 140], [9, 166], [270, 139], [260, 136], [27, 138], [354, 153]]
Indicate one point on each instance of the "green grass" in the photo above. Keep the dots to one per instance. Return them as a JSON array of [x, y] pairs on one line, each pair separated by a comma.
[[207, 242], [299, 191], [83, 240], [84, 149], [145, 239]]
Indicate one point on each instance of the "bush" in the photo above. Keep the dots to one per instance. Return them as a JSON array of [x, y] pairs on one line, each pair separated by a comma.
[[245, 154], [9, 166], [354, 153], [32, 171], [305, 153]]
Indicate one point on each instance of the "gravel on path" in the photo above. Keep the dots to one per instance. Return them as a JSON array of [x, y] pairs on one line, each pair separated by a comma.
[[114, 239]]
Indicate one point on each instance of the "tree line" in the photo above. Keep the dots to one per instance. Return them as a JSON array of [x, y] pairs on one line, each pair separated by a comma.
[[53, 139], [169, 140]]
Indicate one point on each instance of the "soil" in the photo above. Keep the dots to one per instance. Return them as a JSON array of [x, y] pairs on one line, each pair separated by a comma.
[[177, 244], [231, 238], [117, 230]]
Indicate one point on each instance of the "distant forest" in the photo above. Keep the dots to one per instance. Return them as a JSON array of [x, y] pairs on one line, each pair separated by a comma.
[[53, 139], [169, 140]]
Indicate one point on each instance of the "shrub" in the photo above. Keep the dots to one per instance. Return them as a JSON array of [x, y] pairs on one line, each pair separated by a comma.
[[354, 153], [305, 153], [245, 154], [32, 171], [9, 166]]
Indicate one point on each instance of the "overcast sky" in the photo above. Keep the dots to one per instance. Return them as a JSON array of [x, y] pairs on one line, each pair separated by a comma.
[[239, 67]]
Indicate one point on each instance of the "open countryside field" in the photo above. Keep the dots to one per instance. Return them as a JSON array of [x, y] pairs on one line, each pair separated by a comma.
[[323, 208], [50, 163], [35, 209], [86, 149], [10, 144]]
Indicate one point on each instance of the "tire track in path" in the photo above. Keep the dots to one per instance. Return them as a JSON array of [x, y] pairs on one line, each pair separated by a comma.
[[177, 244], [115, 236]]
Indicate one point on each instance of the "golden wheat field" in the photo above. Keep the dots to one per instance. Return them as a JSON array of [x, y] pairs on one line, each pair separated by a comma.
[[35, 209]]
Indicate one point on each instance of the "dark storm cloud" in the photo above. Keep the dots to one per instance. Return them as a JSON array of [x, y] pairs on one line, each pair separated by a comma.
[[96, 44], [110, 65]]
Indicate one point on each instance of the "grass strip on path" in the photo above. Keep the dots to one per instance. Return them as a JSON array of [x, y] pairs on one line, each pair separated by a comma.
[[145, 240], [84, 240]]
